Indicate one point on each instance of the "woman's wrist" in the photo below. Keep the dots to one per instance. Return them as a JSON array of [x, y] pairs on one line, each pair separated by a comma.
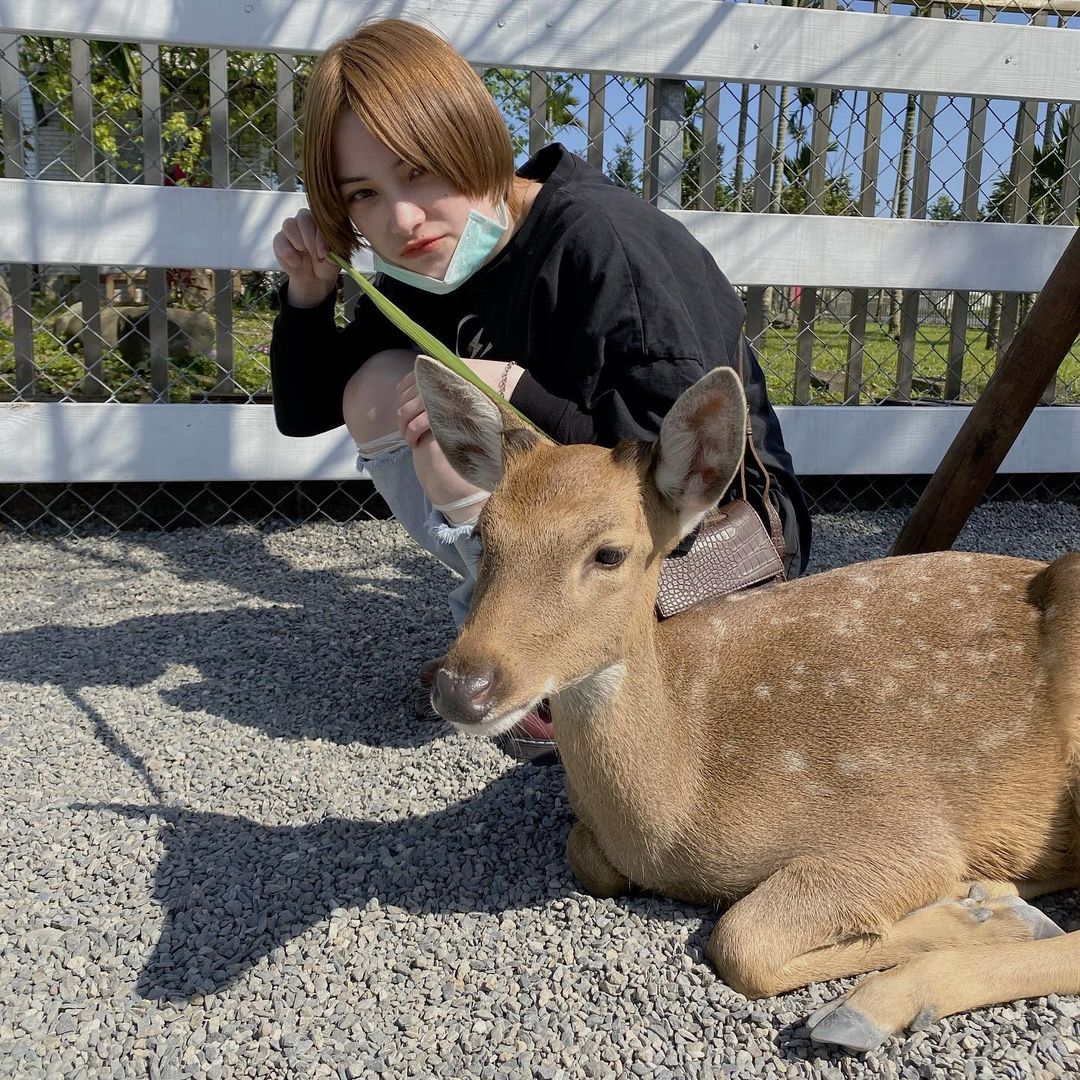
[[310, 296], [501, 375]]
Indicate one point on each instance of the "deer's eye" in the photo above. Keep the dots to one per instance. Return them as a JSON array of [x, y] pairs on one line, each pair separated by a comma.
[[609, 556]]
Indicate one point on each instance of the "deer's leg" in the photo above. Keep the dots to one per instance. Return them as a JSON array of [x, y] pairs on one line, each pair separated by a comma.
[[1029, 889], [591, 866], [926, 988], [807, 924]]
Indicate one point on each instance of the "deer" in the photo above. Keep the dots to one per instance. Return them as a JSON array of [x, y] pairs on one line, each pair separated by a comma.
[[870, 770]]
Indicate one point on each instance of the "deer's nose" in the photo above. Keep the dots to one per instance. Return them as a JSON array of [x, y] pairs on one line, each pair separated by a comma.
[[462, 699]]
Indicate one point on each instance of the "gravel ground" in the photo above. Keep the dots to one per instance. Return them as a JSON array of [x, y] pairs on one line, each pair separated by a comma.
[[227, 850]]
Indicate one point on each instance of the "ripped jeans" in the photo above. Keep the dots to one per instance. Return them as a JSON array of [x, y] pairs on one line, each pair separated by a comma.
[[388, 462]]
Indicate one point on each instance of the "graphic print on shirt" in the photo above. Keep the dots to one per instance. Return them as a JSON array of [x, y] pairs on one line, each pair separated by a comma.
[[476, 349]]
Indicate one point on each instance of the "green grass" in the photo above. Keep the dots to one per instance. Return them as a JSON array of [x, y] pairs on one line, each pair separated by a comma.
[[60, 371], [880, 363]]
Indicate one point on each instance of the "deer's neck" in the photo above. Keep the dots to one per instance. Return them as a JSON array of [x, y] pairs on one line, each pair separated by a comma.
[[632, 764]]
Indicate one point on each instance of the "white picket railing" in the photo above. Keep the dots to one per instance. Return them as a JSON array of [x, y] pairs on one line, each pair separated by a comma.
[[110, 224]]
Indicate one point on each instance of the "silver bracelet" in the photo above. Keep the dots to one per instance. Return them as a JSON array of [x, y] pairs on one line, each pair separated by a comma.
[[502, 379]]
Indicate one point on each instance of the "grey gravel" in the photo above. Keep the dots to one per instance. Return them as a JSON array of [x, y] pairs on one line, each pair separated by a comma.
[[227, 849]]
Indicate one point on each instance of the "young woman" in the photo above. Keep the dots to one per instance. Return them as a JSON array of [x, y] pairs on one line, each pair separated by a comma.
[[587, 307]]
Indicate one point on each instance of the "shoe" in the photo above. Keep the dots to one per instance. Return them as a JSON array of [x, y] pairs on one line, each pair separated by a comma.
[[421, 691], [532, 739]]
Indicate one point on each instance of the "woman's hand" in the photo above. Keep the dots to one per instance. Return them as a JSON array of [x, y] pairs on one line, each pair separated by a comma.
[[301, 252], [412, 419]]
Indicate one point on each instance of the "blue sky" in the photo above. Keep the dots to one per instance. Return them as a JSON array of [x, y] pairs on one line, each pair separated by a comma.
[[626, 108]]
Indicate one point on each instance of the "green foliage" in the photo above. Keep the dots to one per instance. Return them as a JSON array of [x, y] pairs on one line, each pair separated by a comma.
[[1047, 181], [115, 78], [511, 90], [623, 170], [838, 199], [945, 209]]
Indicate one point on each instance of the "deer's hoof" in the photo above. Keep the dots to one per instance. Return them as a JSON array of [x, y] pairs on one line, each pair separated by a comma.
[[843, 1025], [1042, 926]]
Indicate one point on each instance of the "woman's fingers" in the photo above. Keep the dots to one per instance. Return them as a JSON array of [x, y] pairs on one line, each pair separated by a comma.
[[312, 239], [285, 252], [416, 429], [412, 418], [299, 241]]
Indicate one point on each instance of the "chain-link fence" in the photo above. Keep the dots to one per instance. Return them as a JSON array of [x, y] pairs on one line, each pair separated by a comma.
[[125, 113]]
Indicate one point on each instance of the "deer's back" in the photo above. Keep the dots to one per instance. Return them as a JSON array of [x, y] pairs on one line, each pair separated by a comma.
[[902, 702]]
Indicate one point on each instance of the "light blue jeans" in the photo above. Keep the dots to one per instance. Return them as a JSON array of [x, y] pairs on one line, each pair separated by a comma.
[[395, 480]]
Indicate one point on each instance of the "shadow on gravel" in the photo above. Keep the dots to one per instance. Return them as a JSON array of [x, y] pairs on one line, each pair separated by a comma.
[[288, 669], [232, 890]]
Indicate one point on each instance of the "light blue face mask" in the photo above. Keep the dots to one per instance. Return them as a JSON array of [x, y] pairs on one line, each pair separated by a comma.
[[474, 247]]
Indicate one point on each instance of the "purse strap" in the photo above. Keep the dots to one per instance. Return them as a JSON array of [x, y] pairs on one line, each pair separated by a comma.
[[776, 529]]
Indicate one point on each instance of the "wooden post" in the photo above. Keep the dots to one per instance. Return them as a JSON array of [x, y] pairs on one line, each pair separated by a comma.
[[980, 446]]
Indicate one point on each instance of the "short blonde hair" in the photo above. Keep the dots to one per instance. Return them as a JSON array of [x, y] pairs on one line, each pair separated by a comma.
[[418, 96]]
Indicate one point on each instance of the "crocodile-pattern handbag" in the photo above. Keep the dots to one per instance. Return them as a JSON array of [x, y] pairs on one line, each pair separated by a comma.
[[729, 551]]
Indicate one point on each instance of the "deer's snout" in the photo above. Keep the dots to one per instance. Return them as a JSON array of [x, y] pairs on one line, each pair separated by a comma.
[[462, 699]]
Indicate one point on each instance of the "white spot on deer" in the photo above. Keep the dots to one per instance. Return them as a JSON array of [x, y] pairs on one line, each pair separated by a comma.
[[914, 597], [937, 689], [958, 605], [1004, 586], [794, 762], [849, 764], [904, 664], [857, 604], [888, 689], [993, 738], [847, 677], [974, 589], [921, 644], [762, 691], [794, 686], [865, 580], [799, 669]]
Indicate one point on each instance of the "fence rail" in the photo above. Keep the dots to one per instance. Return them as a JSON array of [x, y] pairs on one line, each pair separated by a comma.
[[701, 39], [138, 225]]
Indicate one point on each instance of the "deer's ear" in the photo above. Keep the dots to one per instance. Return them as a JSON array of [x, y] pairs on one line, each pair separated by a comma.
[[466, 423], [702, 439]]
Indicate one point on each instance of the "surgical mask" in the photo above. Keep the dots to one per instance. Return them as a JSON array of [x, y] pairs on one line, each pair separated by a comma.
[[474, 247]]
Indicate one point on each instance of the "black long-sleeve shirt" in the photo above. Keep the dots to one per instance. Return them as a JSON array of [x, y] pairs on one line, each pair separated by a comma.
[[612, 308]]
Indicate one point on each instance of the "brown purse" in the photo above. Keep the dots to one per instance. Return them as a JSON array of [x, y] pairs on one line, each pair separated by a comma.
[[730, 550]]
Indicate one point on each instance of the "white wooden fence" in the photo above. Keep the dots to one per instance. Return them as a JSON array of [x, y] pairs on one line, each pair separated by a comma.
[[98, 224]]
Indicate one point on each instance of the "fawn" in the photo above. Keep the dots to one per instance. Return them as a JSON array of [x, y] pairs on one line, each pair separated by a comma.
[[871, 766]]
